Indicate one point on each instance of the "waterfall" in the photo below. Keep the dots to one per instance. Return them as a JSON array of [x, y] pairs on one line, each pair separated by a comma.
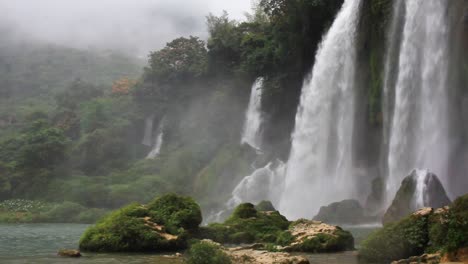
[[319, 169], [418, 133], [263, 184], [251, 133], [148, 131], [157, 142], [418, 199]]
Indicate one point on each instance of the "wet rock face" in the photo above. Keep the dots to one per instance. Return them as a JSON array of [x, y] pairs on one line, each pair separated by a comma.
[[344, 212], [419, 189]]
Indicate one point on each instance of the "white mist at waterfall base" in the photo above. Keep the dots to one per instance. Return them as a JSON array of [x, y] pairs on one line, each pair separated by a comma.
[[418, 134], [157, 142], [263, 184], [319, 169], [251, 133]]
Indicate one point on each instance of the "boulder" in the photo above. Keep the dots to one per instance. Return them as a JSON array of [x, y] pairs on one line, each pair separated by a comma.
[[71, 253], [443, 230], [419, 189], [265, 206], [315, 237], [344, 212], [162, 225]]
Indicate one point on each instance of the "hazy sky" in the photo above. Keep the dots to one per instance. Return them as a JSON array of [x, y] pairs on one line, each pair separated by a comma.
[[136, 26]]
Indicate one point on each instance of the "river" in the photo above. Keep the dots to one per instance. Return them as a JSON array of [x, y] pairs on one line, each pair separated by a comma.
[[39, 243]]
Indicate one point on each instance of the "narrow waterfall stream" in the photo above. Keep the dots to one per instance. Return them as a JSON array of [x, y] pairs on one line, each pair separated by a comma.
[[319, 170], [251, 133]]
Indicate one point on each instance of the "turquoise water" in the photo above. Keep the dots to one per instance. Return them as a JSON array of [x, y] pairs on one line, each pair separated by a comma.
[[39, 243]]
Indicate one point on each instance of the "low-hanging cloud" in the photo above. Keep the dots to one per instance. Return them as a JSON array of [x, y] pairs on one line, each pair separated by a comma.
[[134, 26]]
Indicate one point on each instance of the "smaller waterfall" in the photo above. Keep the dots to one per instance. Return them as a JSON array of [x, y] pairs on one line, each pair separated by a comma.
[[148, 131], [251, 133], [419, 201], [157, 143], [263, 184]]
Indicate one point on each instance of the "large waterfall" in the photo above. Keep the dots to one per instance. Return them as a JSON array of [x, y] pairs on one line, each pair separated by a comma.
[[251, 133], [319, 170], [418, 120]]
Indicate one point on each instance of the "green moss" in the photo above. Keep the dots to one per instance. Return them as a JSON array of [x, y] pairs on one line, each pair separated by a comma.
[[399, 240], [207, 253], [246, 225], [243, 211], [132, 227], [265, 206], [175, 211], [448, 230]]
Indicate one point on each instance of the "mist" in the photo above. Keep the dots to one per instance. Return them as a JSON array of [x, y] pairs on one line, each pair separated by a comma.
[[134, 27]]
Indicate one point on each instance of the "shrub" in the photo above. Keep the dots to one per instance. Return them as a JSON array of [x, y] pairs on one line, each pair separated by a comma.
[[207, 253], [399, 240], [175, 211]]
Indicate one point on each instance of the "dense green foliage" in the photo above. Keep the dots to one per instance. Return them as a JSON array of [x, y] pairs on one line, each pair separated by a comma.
[[174, 211], [159, 226], [395, 241], [444, 230], [207, 253], [247, 225]]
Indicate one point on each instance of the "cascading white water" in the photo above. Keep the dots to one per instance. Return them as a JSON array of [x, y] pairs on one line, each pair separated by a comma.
[[158, 142], [418, 135], [263, 184], [418, 199], [147, 137], [319, 170], [251, 133]]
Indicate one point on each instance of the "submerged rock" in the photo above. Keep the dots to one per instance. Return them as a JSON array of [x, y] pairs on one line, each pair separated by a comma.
[[72, 253], [419, 189], [344, 212]]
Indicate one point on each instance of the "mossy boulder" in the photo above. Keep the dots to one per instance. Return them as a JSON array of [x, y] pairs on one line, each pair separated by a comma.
[[316, 237], [162, 225], [175, 211], [428, 230], [204, 252], [247, 225], [265, 206], [404, 203]]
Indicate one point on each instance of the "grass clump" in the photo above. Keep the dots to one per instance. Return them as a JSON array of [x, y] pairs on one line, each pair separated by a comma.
[[207, 253]]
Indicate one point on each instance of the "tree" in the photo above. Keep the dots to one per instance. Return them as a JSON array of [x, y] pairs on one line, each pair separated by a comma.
[[181, 59], [77, 92], [43, 146]]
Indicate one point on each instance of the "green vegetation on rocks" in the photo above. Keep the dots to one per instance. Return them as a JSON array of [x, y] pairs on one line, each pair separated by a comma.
[[426, 231], [162, 225], [207, 253]]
